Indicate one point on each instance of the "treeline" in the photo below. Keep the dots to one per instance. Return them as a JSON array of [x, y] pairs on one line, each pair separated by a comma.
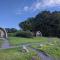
[[47, 22], [11, 30]]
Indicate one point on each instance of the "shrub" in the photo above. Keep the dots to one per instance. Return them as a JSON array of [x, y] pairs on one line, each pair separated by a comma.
[[26, 34], [11, 34]]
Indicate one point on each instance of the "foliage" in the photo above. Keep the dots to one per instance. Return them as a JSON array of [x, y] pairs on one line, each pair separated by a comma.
[[11, 34], [11, 30], [47, 22], [27, 25], [26, 34]]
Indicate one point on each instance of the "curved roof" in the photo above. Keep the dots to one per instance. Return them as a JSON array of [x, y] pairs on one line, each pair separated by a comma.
[[4, 32]]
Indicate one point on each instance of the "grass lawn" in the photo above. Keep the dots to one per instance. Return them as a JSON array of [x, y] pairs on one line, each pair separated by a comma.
[[16, 54], [16, 40], [51, 47], [1, 41]]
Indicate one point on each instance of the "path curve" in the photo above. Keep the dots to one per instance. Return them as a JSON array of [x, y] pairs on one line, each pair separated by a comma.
[[43, 56], [5, 43]]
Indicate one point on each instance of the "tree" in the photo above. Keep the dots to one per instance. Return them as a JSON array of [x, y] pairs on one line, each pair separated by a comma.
[[11, 30], [27, 25], [47, 22]]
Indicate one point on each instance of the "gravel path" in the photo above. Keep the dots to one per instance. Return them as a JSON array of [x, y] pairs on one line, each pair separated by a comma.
[[5, 44], [41, 54]]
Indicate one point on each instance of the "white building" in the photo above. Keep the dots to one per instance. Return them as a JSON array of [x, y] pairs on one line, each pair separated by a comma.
[[38, 33], [3, 33]]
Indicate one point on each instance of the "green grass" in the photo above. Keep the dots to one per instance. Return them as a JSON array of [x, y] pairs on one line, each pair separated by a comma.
[[16, 54], [51, 47], [16, 40], [1, 41]]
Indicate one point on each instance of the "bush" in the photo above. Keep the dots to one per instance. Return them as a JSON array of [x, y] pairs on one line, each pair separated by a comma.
[[11, 34], [26, 34]]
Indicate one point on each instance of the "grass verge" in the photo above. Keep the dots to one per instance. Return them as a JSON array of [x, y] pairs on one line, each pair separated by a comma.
[[50, 47], [1, 41], [15, 40], [16, 54]]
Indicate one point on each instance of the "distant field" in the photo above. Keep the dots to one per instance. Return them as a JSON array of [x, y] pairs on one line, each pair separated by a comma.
[[16, 40]]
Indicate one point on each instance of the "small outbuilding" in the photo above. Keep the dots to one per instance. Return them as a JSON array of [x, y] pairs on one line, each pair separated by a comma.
[[3, 33], [38, 33]]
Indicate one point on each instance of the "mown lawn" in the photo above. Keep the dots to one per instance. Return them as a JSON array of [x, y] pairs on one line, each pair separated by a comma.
[[16, 41], [1, 41], [51, 47], [16, 54]]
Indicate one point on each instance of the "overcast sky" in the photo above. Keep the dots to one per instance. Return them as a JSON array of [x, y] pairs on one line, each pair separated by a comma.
[[14, 11]]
